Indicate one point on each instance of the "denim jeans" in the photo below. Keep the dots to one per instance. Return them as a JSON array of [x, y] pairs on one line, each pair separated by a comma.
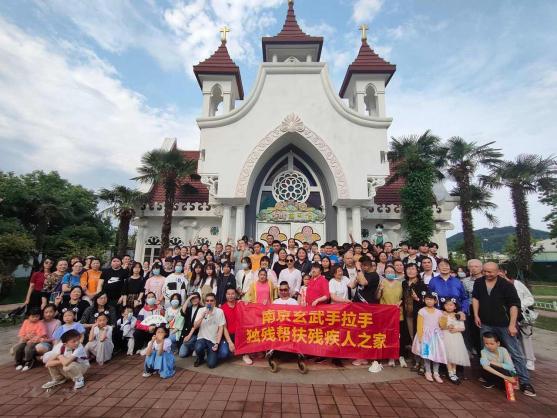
[[513, 347], [203, 346], [187, 347], [224, 350]]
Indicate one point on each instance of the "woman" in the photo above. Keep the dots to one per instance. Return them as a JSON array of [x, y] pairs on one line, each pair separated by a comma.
[[280, 264], [90, 279], [326, 264], [175, 283], [144, 333], [302, 263], [100, 305], [53, 283], [382, 263], [197, 277], [244, 278], [36, 284], [74, 303], [72, 278], [338, 286], [155, 283], [389, 292], [209, 283], [135, 287], [447, 286], [262, 291]]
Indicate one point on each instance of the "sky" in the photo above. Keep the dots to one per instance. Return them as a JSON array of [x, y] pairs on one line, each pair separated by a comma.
[[86, 87]]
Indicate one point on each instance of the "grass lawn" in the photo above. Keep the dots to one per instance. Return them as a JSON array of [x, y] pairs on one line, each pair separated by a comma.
[[17, 292], [544, 290], [545, 322]]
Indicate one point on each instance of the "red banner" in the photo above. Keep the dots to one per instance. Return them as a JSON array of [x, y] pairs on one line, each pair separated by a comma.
[[351, 330]]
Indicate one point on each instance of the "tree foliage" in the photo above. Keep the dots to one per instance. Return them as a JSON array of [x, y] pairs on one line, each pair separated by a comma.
[[549, 197]]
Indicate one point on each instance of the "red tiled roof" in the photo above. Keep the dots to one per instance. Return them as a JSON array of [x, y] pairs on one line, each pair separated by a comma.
[[220, 63], [389, 194], [202, 195], [291, 33], [367, 62]]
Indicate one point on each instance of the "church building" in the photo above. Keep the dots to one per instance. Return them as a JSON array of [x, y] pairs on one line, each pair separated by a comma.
[[293, 158]]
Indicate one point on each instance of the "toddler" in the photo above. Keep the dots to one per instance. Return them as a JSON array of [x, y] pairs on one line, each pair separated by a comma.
[[126, 327], [159, 357], [31, 333], [68, 323], [100, 345]]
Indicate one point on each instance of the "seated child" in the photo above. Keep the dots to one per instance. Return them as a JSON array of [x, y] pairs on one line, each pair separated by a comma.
[[496, 362], [51, 324], [68, 323], [31, 333], [159, 357], [100, 344], [125, 328], [303, 290], [67, 361]]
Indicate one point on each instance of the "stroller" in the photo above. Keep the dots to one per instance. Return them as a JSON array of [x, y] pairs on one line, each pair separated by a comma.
[[273, 357]]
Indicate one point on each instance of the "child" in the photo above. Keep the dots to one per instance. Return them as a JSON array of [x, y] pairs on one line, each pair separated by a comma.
[[100, 344], [68, 323], [31, 333], [171, 316], [159, 357], [428, 343], [304, 290], [496, 362], [126, 327], [67, 361], [51, 324], [453, 326]]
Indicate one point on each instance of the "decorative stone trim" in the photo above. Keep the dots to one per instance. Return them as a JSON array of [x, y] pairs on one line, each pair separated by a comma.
[[293, 123], [212, 183], [373, 182]]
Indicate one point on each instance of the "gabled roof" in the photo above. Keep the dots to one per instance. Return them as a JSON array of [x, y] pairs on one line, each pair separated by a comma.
[[202, 195], [220, 63], [367, 62], [389, 194], [291, 33]]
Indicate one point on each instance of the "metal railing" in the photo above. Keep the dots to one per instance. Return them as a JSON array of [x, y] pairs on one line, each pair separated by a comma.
[[548, 306]]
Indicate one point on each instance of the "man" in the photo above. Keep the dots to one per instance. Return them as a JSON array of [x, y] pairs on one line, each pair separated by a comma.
[[284, 295], [113, 282], [403, 250], [427, 274], [412, 257], [168, 267], [388, 248], [424, 253], [472, 333], [183, 256], [219, 249], [270, 240], [211, 324], [274, 249], [241, 252], [495, 303], [318, 287], [256, 256], [226, 348], [126, 262], [433, 248], [225, 281], [328, 251], [292, 276]]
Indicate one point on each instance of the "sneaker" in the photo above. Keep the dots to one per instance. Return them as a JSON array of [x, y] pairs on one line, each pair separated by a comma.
[[143, 352], [357, 362], [482, 380], [375, 367], [26, 367], [146, 374], [198, 362], [53, 383], [454, 379], [437, 378], [530, 365], [247, 359], [79, 382], [527, 389], [488, 385], [402, 361], [391, 362], [19, 367], [428, 377]]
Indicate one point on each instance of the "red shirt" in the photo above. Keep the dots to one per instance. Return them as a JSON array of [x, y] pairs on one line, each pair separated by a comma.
[[38, 278], [230, 316], [317, 288]]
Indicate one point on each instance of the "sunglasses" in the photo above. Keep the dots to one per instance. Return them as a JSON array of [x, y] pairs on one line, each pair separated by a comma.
[[289, 260], [284, 290]]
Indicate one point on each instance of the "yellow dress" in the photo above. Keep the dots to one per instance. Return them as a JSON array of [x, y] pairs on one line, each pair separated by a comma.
[[392, 294]]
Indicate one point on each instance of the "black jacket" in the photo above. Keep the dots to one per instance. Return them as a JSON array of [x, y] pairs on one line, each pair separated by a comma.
[[189, 320], [495, 306], [223, 284]]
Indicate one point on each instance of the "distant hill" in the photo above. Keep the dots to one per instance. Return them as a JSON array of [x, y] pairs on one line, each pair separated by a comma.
[[496, 237]]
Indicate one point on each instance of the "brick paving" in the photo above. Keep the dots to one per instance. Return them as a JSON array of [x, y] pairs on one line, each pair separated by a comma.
[[118, 390]]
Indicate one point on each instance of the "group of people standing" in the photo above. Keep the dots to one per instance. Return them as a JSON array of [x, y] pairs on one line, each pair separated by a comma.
[[186, 301]]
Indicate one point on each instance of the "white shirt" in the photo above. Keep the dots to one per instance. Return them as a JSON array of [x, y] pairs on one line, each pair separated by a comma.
[[78, 353], [525, 296], [428, 278], [166, 345], [339, 288], [289, 301], [293, 277], [210, 325]]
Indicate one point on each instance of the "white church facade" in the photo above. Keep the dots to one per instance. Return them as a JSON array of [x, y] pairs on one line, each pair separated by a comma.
[[294, 158]]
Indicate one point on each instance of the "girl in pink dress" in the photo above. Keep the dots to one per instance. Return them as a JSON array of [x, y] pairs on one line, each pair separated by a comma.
[[428, 343]]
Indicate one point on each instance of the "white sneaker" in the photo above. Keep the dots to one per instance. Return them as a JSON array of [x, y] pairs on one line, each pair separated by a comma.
[[247, 359], [146, 374], [19, 367], [402, 362], [530, 365], [79, 382], [375, 367], [143, 352], [25, 368], [392, 362], [53, 383], [194, 354]]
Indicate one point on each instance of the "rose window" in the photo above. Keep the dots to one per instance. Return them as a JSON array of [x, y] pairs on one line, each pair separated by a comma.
[[290, 185]]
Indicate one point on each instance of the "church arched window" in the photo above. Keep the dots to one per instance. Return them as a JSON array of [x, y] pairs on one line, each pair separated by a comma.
[[370, 100], [216, 104]]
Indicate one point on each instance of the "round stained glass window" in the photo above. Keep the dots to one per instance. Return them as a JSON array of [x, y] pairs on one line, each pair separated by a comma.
[[290, 185]]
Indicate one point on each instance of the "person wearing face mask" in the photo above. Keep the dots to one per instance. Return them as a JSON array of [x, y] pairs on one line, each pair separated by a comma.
[[244, 278], [155, 283], [389, 292], [175, 283], [144, 333], [171, 315], [379, 237]]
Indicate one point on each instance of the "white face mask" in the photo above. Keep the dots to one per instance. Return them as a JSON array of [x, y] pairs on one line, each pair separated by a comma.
[[461, 274]]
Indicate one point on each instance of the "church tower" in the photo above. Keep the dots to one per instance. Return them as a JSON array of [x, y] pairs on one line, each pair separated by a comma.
[[220, 80], [365, 81]]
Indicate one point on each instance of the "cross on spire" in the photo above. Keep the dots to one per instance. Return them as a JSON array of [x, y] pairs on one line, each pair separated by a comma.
[[223, 31], [363, 28]]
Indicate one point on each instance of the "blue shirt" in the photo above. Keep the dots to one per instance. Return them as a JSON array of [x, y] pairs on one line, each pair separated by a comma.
[[61, 330], [332, 257], [71, 280], [448, 289]]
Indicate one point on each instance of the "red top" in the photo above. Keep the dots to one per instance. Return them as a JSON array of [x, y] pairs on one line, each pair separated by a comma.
[[230, 316], [317, 288], [367, 62], [38, 278]]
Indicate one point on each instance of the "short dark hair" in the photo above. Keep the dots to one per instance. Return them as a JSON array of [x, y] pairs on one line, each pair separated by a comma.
[[71, 334], [275, 241], [433, 244], [491, 335], [284, 282], [317, 266], [210, 294], [35, 310]]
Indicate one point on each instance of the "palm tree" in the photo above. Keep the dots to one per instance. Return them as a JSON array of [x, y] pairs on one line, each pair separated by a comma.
[[527, 174], [463, 159], [418, 160], [170, 169], [123, 202]]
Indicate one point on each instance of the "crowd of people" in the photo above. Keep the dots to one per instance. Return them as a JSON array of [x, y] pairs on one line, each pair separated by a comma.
[[185, 303]]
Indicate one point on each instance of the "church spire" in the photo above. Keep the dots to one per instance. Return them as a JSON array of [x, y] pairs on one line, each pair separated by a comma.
[[291, 35]]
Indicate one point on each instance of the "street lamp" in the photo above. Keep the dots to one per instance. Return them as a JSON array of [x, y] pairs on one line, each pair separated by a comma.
[[485, 240]]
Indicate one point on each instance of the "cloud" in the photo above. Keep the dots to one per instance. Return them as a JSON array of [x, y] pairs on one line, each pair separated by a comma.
[[364, 11], [414, 26], [63, 108]]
